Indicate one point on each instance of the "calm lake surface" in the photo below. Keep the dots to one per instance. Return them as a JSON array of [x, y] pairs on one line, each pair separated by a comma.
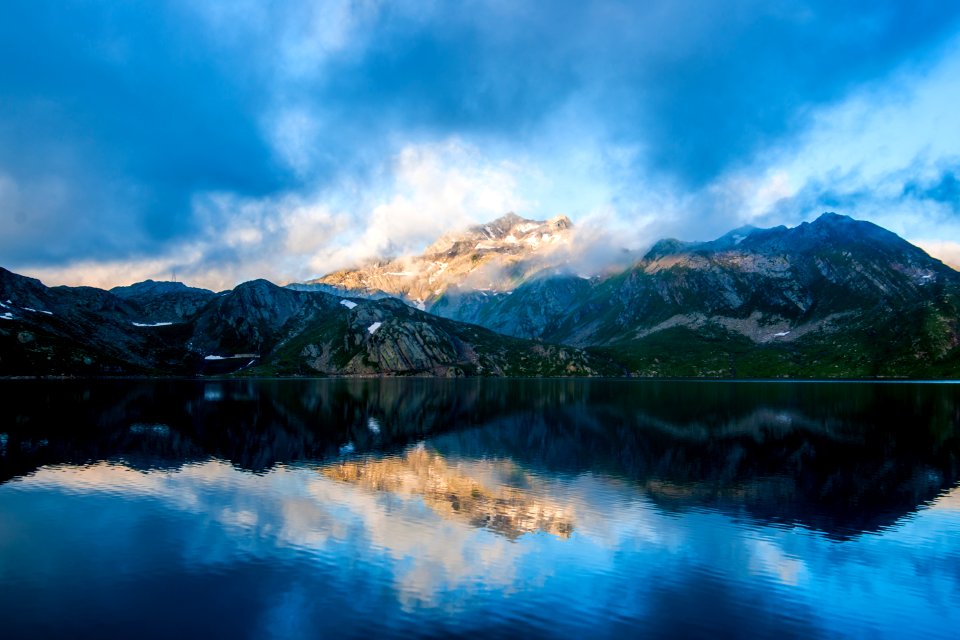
[[410, 508]]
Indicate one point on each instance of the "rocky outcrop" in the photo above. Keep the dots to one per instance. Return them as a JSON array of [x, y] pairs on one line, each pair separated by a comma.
[[165, 301]]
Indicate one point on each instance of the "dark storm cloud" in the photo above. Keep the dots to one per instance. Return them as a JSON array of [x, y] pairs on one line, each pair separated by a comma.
[[128, 112], [114, 116], [698, 85]]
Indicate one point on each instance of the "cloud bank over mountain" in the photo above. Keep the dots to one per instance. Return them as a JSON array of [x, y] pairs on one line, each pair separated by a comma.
[[235, 140]]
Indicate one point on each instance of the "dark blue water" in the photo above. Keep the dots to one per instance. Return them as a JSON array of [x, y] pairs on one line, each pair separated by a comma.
[[408, 508]]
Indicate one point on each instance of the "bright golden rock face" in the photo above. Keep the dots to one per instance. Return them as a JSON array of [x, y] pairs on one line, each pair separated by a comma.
[[509, 511], [495, 256]]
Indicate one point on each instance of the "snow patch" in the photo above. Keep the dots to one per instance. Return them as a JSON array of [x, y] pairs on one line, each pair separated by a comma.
[[348, 304], [373, 328], [155, 324], [781, 334], [49, 313], [215, 357], [7, 316], [373, 424]]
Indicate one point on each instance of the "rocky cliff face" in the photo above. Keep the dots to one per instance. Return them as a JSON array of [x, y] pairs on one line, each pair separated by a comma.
[[496, 256]]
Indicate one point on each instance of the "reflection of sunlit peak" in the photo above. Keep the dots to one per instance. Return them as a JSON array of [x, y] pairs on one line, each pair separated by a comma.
[[506, 510], [948, 500]]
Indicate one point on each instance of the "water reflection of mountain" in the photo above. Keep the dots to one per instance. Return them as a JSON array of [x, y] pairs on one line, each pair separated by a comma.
[[453, 494], [842, 458]]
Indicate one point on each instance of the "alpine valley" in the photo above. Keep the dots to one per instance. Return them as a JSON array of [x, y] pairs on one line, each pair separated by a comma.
[[834, 298]]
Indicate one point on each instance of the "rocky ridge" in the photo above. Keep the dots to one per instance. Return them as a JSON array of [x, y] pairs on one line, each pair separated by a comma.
[[256, 328], [832, 297], [491, 257]]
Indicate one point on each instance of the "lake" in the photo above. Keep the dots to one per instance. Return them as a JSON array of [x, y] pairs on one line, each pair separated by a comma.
[[494, 508]]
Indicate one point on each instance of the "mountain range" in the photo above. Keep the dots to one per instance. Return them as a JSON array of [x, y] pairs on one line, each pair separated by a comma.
[[835, 297]]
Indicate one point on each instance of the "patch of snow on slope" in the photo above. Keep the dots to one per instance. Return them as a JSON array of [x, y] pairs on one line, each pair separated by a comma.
[[780, 334], [348, 304], [373, 328], [7, 316], [155, 324]]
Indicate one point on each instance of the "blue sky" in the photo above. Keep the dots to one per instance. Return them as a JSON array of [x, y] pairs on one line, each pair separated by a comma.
[[233, 140]]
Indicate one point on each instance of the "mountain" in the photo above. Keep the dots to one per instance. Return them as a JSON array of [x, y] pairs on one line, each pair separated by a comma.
[[258, 328], [835, 297], [496, 256], [164, 301]]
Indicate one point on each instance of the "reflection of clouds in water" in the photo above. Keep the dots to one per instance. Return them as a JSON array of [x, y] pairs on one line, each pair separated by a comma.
[[767, 558], [431, 555], [445, 562], [298, 508]]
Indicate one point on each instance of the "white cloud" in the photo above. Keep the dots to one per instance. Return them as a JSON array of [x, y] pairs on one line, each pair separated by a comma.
[[294, 134], [429, 189], [110, 273], [421, 192]]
